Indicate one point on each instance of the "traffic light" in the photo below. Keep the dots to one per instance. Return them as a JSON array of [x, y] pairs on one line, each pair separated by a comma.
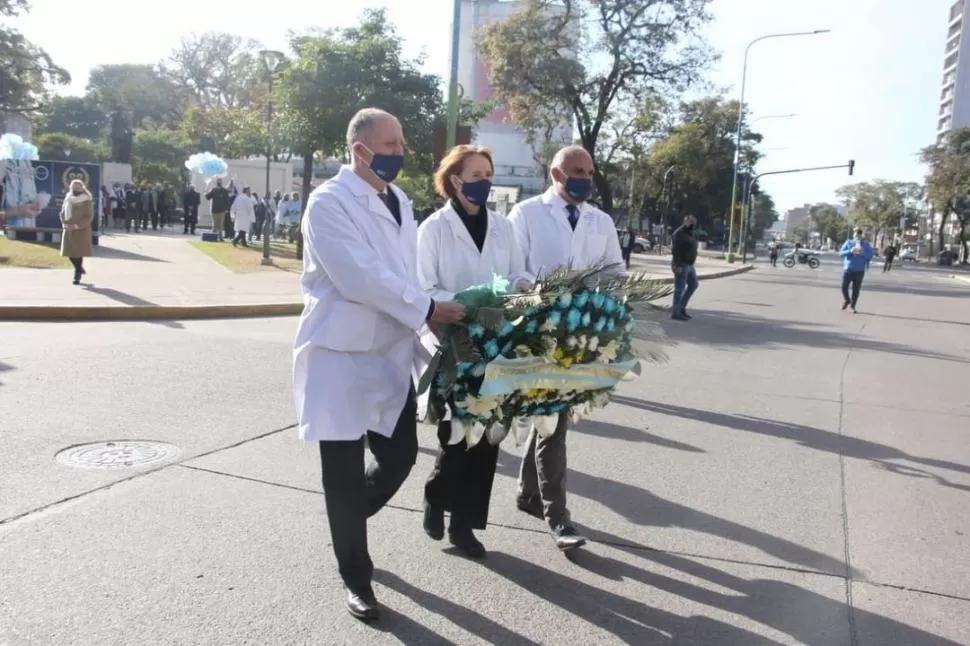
[[851, 166]]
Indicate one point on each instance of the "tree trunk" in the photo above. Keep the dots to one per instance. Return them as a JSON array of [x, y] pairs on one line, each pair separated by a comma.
[[963, 241], [307, 185], [939, 232], [604, 190]]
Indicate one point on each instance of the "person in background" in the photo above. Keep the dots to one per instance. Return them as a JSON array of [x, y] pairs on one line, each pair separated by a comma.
[[773, 253], [890, 254], [233, 194], [683, 255], [272, 204], [118, 205], [132, 208], [243, 213], [77, 214], [856, 254], [190, 205], [219, 203], [146, 207], [260, 210], [560, 229], [629, 240], [106, 203], [461, 481]]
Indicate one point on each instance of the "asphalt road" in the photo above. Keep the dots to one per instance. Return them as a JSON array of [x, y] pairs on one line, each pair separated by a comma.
[[794, 475]]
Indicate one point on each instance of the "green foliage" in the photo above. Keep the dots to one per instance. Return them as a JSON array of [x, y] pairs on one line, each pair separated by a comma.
[[27, 72], [948, 184], [55, 146], [73, 115], [627, 50], [420, 189], [142, 92], [763, 215], [217, 70], [158, 157], [826, 219], [877, 206]]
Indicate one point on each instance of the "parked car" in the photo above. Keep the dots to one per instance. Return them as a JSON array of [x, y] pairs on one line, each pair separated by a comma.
[[908, 254], [640, 244]]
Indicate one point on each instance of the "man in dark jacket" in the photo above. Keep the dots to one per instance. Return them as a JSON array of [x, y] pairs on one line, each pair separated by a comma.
[[220, 203], [190, 204], [684, 250]]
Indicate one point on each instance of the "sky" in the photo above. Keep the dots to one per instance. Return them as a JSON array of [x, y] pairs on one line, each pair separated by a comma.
[[868, 91]]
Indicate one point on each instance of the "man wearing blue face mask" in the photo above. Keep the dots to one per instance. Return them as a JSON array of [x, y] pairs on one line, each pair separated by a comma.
[[357, 344], [556, 229]]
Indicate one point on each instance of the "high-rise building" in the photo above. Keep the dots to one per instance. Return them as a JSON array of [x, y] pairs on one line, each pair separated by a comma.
[[955, 94], [515, 158]]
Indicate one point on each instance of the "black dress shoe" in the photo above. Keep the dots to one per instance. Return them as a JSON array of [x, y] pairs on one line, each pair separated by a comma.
[[434, 521], [530, 505], [567, 538], [464, 539], [686, 315], [362, 605]]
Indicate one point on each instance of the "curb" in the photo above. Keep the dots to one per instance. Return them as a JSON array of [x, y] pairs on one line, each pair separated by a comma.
[[146, 312], [197, 312]]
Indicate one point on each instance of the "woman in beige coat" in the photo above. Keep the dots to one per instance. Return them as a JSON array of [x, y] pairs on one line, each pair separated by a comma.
[[76, 216]]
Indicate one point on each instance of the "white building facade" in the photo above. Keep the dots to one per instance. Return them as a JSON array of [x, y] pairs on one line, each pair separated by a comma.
[[515, 158], [955, 93]]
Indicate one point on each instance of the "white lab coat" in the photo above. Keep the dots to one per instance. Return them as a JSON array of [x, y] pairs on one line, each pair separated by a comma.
[[356, 349], [547, 242], [243, 212], [449, 261]]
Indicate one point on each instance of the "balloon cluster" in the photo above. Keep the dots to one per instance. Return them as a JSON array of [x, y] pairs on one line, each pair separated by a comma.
[[206, 164], [14, 147]]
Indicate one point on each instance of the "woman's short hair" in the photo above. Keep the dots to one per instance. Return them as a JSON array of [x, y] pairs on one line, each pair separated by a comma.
[[454, 164]]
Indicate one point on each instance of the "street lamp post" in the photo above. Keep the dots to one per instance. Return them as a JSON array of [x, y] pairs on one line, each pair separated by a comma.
[[665, 190], [451, 137], [737, 147], [272, 61]]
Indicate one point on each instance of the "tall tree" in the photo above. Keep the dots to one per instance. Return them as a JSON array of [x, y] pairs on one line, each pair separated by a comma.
[[881, 205], [334, 74], [592, 56], [27, 72], [948, 183], [825, 219], [60, 145], [216, 70], [78, 116], [141, 92]]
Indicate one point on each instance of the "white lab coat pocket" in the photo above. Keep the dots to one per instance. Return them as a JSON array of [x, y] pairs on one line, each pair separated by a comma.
[[594, 247], [348, 327]]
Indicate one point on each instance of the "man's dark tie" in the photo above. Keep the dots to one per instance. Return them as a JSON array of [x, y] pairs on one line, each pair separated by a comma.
[[573, 215], [392, 206]]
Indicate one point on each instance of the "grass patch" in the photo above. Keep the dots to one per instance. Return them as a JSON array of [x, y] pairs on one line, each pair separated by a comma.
[[247, 260], [33, 255]]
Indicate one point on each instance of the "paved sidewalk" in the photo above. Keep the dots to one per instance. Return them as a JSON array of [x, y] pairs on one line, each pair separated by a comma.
[[163, 270]]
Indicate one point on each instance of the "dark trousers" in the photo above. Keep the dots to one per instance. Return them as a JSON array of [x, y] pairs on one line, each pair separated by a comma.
[[888, 265], [543, 473], [853, 278], [230, 228], [191, 219], [149, 214], [133, 217], [461, 481], [353, 494], [257, 231], [240, 238], [78, 267], [774, 259], [627, 253]]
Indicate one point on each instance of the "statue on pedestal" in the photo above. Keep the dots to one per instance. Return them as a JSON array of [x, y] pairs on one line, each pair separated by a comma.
[[121, 138]]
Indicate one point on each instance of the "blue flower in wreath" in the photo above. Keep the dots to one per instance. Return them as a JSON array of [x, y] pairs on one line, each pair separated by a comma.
[[610, 325], [532, 327], [554, 318], [573, 319], [478, 370], [600, 324], [581, 299], [476, 330], [541, 410], [598, 299], [507, 348], [530, 311], [490, 348], [609, 305], [586, 319], [463, 368], [564, 301], [506, 329], [630, 325]]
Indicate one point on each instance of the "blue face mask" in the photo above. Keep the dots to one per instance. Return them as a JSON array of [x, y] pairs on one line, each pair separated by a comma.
[[386, 167], [579, 188], [477, 192]]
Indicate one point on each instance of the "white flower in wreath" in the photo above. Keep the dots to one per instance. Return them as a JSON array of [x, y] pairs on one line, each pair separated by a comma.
[[548, 326], [481, 406], [583, 341], [601, 399], [593, 343], [608, 352], [572, 342]]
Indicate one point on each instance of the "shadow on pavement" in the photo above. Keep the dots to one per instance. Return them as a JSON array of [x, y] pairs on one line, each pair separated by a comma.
[[5, 367], [111, 253], [630, 621], [119, 296], [917, 319], [628, 434], [643, 508], [810, 437], [737, 331], [477, 624], [783, 606]]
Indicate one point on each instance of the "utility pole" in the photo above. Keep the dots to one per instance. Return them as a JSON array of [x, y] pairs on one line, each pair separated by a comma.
[[451, 138]]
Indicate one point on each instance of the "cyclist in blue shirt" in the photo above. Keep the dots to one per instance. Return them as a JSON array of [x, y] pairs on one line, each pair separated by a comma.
[[856, 254]]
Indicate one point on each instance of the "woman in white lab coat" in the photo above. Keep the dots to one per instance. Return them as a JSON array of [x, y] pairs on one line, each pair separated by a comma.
[[461, 245]]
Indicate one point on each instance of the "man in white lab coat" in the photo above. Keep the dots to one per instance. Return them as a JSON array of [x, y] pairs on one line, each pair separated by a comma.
[[357, 339], [556, 229]]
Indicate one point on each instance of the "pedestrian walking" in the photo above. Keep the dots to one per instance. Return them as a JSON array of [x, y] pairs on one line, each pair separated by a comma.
[[683, 255], [356, 341], [77, 215], [856, 254]]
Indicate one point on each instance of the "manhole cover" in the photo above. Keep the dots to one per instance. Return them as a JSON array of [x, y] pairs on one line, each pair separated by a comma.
[[120, 454]]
